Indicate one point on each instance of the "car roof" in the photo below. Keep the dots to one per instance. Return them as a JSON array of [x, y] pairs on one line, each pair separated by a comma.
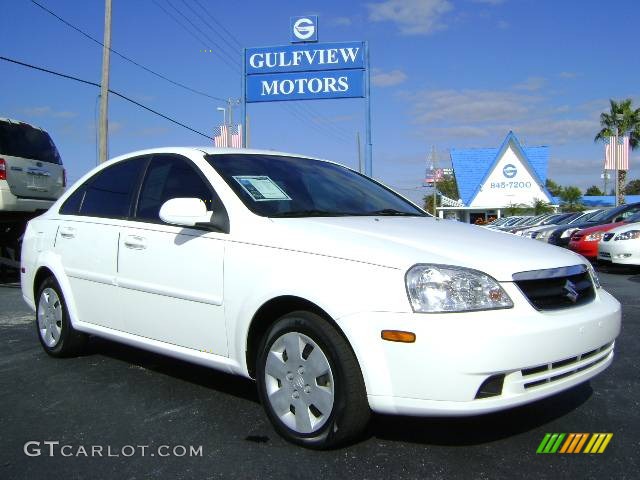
[[19, 122], [208, 150]]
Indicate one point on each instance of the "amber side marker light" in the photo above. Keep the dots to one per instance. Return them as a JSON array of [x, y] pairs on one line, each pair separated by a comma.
[[398, 336]]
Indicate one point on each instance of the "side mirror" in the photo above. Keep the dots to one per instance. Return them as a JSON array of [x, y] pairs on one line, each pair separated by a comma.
[[186, 212]]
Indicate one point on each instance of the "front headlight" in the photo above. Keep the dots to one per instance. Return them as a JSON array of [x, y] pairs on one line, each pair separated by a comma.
[[630, 235], [568, 232], [594, 237], [443, 288]]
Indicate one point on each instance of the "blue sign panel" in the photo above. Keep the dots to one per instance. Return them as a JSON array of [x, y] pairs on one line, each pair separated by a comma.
[[304, 29], [305, 86], [305, 58]]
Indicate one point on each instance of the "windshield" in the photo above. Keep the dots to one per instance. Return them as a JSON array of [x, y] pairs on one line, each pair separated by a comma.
[[585, 216], [600, 215], [278, 186], [633, 218], [21, 140]]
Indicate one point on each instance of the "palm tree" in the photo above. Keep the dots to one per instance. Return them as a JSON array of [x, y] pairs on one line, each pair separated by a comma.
[[626, 120], [623, 116]]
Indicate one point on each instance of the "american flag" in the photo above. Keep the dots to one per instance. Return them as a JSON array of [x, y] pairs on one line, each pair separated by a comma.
[[622, 154], [433, 175], [222, 133]]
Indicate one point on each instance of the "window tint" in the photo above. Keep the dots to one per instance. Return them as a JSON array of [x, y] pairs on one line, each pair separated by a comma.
[[21, 140], [278, 186], [71, 205], [109, 193], [170, 177]]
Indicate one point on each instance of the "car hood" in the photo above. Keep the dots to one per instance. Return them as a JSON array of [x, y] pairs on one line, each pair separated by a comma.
[[605, 227], [401, 242], [625, 227]]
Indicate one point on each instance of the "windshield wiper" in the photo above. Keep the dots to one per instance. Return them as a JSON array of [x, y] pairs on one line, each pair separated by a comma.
[[310, 213], [393, 211]]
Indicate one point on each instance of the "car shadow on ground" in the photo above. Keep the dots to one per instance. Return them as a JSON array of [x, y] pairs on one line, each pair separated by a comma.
[[479, 429], [189, 372], [619, 269], [450, 431]]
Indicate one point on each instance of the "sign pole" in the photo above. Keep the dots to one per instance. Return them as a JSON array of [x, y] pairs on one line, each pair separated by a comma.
[[368, 167], [244, 98]]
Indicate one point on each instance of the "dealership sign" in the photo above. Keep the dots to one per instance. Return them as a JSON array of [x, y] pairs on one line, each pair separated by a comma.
[[305, 72]]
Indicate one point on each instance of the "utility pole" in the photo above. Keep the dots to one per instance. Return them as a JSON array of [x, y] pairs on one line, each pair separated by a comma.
[[435, 180], [614, 147], [104, 86], [360, 165]]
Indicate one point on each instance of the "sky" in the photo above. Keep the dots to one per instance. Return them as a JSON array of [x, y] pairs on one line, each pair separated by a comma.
[[445, 74]]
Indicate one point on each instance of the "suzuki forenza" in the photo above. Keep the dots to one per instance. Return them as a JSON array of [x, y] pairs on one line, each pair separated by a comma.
[[337, 295]]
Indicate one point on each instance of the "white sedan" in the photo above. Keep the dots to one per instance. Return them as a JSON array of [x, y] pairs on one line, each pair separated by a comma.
[[337, 295], [621, 245]]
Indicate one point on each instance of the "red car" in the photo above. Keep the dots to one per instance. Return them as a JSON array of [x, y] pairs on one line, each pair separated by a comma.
[[585, 241]]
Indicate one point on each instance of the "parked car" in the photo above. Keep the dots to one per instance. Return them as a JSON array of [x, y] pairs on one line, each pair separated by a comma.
[[506, 221], [621, 245], [31, 173], [542, 233], [531, 222], [337, 295], [561, 236], [585, 241], [552, 219]]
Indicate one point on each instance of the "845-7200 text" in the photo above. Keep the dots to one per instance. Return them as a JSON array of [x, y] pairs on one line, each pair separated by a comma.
[[510, 184]]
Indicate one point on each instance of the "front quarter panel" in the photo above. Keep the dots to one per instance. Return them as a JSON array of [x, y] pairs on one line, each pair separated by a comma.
[[255, 274]]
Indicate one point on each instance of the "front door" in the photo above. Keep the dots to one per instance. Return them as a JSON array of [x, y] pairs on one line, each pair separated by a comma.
[[171, 278]]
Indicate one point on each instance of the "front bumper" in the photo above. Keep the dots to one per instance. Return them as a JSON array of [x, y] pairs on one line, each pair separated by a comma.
[[586, 249], [539, 354], [624, 252]]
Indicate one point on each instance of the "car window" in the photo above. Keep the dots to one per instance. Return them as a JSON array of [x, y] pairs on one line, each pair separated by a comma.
[[71, 205], [22, 140], [109, 193], [281, 186], [167, 177]]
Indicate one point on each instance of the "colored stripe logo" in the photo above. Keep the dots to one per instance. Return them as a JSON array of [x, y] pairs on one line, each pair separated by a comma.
[[574, 443]]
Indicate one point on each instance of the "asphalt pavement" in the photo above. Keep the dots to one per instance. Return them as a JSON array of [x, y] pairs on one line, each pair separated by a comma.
[[147, 416]]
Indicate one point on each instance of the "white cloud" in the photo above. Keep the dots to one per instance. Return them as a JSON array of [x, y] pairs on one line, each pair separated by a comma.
[[489, 2], [340, 22], [413, 17], [568, 74], [47, 112], [463, 106], [531, 84], [388, 79]]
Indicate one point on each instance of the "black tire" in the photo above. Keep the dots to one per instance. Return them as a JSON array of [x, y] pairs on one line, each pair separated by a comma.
[[70, 342], [350, 411]]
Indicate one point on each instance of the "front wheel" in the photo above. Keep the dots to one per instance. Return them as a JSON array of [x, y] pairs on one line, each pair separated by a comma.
[[310, 383]]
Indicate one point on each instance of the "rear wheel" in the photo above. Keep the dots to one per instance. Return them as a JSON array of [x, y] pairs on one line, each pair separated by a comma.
[[57, 336], [310, 383]]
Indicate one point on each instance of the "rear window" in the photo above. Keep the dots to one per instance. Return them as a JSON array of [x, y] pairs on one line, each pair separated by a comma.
[[21, 140]]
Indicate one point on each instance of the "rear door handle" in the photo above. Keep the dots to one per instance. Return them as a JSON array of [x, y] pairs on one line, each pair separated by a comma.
[[67, 232], [134, 242]]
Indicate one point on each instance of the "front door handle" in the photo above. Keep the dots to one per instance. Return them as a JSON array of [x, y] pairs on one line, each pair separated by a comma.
[[135, 242], [67, 232]]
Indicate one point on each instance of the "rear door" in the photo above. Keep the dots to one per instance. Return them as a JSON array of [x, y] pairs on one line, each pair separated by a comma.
[[34, 168], [87, 240]]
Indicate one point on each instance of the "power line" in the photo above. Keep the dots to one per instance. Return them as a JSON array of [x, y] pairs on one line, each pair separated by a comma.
[[124, 57], [118, 94], [233, 64], [237, 47], [301, 111]]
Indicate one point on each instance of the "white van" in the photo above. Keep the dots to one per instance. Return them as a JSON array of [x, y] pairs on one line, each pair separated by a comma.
[[31, 173]]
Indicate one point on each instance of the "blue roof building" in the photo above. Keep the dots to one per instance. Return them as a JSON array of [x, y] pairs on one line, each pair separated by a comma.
[[491, 179]]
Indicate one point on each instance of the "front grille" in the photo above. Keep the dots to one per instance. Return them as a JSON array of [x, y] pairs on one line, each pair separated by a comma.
[[556, 288], [608, 236], [543, 374]]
